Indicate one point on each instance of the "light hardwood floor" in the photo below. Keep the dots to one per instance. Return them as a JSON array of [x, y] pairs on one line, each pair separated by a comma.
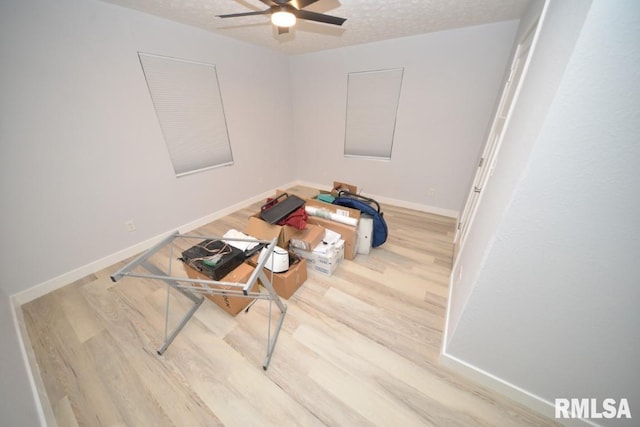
[[359, 348]]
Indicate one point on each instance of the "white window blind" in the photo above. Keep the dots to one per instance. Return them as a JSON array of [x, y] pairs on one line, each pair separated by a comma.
[[372, 104], [187, 100]]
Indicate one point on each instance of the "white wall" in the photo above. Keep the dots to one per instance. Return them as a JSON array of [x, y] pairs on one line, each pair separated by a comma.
[[554, 307], [562, 24], [82, 151], [451, 80]]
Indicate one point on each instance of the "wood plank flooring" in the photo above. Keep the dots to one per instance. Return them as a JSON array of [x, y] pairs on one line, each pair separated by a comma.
[[359, 348]]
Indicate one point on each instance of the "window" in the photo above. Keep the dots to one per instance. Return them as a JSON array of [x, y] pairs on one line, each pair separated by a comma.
[[187, 100], [372, 104]]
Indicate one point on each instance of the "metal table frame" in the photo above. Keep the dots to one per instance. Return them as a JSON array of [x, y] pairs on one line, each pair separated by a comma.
[[192, 287]]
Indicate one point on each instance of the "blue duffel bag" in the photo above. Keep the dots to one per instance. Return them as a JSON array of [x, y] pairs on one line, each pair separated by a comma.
[[366, 206]]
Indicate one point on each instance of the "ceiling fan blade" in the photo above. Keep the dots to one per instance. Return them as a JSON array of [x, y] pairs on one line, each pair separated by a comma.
[[269, 2], [301, 4], [235, 15], [319, 17], [283, 30]]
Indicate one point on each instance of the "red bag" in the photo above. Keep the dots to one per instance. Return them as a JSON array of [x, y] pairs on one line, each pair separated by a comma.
[[297, 219]]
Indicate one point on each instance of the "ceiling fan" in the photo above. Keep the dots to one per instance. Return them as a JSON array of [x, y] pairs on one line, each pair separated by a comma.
[[284, 13]]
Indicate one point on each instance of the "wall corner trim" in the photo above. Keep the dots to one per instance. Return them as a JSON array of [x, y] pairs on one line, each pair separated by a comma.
[[40, 398]]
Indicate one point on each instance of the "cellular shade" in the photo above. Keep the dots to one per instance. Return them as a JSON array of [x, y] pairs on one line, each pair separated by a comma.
[[372, 104], [187, 100]]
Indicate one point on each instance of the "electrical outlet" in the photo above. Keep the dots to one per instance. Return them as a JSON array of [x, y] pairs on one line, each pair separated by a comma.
[[431, 192], [130, 225]]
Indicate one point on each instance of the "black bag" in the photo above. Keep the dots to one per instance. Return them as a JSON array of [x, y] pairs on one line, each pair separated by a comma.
[[275, 210], [213, 258], [366, 206]]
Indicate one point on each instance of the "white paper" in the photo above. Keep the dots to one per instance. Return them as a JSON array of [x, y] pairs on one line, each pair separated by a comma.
[[235, 234], [328, 242]]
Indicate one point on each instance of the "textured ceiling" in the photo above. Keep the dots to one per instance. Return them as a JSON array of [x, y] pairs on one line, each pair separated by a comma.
[[367, 20]]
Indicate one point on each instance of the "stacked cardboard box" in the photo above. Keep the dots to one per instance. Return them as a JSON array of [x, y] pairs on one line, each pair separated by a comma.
[[307, 247], [348, 232], [285, 284], [364, 229], [308, 238]]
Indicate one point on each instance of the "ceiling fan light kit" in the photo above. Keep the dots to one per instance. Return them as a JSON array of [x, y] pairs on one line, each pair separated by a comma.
[[283, 18], [284, 14]]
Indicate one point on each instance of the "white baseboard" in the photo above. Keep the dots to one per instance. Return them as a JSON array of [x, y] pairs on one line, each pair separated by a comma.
[[55, 283], [64, 279], [323, 187], [476, 374], [395, 202], [43, 408], [415, 206], [513, 392]]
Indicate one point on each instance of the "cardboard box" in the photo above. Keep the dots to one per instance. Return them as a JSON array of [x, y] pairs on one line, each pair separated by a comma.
[[337, 186], [308, 238], [287, 283], [349, 233], [336, 209], [325, 263], [231, 304], [266, 231], [262, 230]]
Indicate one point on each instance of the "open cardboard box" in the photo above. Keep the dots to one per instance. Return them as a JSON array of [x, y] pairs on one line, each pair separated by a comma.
[[286, 283], [337, 186], [325, 263], [231, 304], [348, 232], [308, 238], [262, 230]]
